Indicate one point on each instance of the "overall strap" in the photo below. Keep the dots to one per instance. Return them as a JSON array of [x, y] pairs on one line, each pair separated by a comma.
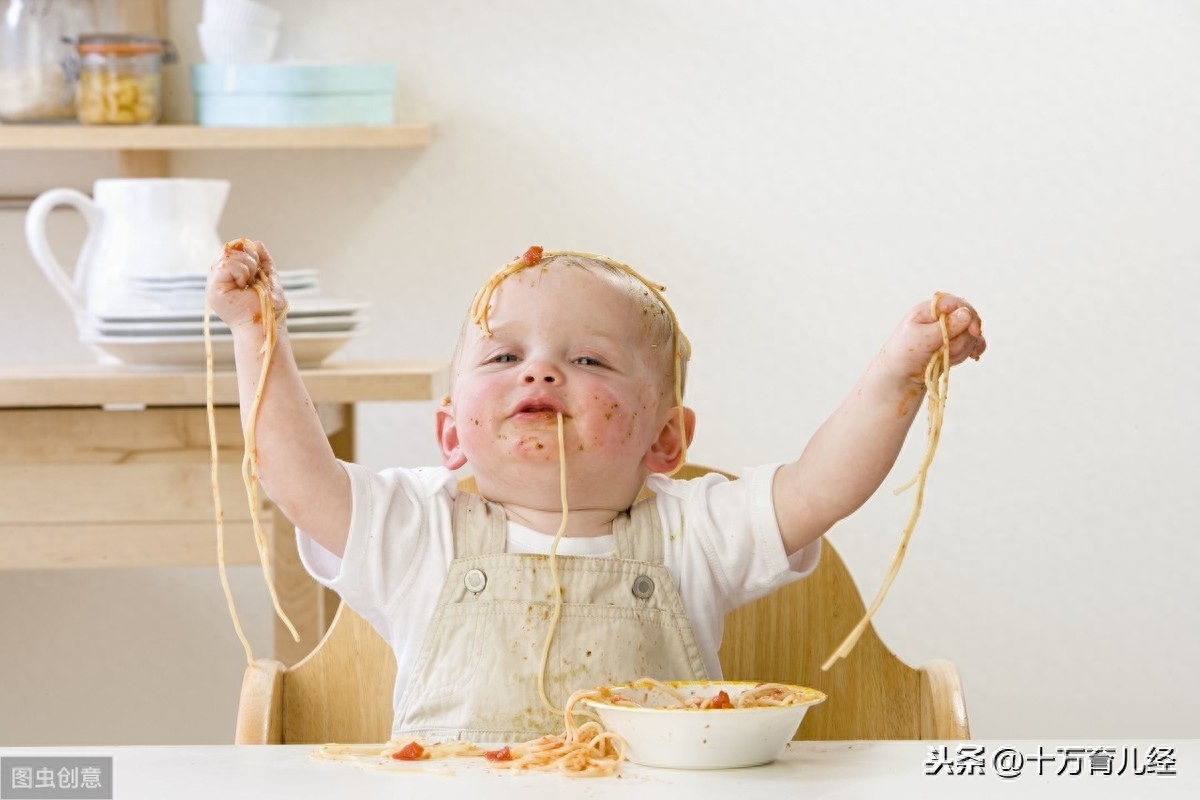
[[480, 527], [637, 533]]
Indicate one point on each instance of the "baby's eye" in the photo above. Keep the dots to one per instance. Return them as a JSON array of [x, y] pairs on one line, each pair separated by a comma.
[[588, 361], [503, 358]]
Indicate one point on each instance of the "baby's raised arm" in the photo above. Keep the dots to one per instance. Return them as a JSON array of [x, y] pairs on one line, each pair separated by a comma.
[[853, 451], [296, 464]]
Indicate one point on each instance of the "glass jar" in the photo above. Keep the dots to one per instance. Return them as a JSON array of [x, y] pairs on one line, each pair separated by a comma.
[[120, 78], [36, 81]]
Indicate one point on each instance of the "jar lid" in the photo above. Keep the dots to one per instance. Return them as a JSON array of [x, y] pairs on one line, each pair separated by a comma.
[[123, 44]]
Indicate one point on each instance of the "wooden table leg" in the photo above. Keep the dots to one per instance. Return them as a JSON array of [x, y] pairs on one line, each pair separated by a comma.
[[308, 605]]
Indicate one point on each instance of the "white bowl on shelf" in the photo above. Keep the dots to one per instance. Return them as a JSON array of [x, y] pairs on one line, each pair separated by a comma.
[[244, 44], [241, 12]]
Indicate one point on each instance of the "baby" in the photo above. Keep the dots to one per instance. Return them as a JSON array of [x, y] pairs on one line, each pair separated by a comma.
[[565, 403]]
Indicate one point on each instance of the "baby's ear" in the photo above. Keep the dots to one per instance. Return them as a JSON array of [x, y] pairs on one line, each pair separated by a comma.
[[669, 449], [447, 435]]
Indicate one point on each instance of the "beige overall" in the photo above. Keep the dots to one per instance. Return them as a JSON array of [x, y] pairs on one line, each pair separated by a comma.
[[476, 676]]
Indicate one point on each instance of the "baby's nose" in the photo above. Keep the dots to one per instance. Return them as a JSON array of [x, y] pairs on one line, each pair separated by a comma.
[[541, 371]]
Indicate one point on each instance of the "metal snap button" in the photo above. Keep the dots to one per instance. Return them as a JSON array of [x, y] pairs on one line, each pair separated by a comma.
[[475, 580], [643, 586]]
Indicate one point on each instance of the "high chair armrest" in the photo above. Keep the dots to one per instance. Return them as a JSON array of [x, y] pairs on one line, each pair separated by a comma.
[[260, 707]]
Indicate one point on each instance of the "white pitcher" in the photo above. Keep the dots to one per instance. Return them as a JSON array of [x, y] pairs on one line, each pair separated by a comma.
[[136, 227]]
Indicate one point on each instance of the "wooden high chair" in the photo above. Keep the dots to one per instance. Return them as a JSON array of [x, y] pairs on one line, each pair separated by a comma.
[[342, 691]]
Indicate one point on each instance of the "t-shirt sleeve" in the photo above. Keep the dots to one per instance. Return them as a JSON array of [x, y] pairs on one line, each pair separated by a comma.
[[393, 514], [732, 528]]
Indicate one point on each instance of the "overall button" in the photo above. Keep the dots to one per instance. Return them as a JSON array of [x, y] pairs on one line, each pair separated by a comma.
[[643, 586], [475, 581]]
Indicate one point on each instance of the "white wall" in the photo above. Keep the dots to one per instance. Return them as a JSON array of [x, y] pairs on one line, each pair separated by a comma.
[[798, 174]]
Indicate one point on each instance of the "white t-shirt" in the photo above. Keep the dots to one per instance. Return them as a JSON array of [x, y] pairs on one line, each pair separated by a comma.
[[721, 543]]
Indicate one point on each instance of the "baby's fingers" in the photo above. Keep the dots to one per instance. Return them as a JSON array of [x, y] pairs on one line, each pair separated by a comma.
[[966, 334], [261, 256], [275, 288], [966, 345], [240, 268], [947, 305]]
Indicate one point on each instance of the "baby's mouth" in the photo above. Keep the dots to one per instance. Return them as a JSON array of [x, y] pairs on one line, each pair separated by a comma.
[[538, 409]]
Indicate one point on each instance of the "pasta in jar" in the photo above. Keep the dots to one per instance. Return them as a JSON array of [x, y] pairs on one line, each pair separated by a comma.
[[120, 79]]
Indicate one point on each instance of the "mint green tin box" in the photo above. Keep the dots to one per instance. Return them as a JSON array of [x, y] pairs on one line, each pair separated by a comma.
[[282, 94]]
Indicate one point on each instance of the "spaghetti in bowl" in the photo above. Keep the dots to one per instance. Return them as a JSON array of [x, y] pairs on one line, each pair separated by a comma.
[[703, 724]]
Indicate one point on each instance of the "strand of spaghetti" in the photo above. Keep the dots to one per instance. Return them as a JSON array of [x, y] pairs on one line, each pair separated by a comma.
[[216, 486], [381, 757], [250, 456], [937, 380], [937, 383], [535, 255], [580, 751], [666, 689], [558, 599]]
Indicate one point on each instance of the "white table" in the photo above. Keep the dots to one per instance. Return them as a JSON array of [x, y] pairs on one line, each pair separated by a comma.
[[807, 770]]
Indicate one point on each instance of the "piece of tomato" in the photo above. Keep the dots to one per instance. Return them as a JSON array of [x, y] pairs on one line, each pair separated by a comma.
[[721, 700], [410, 752], [503, 754], [532, 256]]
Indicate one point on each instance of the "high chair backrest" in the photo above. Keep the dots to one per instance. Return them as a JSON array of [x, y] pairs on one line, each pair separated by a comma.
[[342, 691]]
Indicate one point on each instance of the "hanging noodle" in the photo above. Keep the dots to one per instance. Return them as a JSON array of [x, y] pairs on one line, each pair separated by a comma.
[[557, 587], [937, 384], [250, 455]]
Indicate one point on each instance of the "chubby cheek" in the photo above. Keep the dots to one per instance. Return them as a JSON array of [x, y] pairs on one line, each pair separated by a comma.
[[616, 421]]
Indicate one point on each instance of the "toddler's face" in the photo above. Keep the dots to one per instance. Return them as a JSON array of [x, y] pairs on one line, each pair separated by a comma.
[[564, 340]]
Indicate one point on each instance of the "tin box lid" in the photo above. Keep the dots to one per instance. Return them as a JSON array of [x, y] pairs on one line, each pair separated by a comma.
[[293, 78]]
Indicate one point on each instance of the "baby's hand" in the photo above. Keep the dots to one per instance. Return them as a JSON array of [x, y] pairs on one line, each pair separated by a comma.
[[919, 336], [231, 279]]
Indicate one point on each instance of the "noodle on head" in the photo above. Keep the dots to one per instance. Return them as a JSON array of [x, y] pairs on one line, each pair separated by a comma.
[[250, 454], [937, 384]]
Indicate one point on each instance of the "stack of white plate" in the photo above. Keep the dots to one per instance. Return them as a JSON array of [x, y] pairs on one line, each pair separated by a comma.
[[167, 327]]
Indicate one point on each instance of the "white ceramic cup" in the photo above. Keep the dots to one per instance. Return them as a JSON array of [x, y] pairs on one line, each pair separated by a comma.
[[246, 44], [232, 13]]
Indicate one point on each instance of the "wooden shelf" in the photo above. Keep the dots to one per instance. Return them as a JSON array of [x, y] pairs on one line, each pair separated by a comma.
[[64, 386], [195, 137]]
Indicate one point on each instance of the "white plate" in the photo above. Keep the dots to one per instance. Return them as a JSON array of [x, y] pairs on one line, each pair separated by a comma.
[[286, 276], [187, 352], [304, 307], [335, 324], [199, 286], [193, 299]]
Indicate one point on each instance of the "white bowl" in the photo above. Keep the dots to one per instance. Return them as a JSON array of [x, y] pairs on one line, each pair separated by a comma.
[[690, 738], [241, 12], [244, 44]]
